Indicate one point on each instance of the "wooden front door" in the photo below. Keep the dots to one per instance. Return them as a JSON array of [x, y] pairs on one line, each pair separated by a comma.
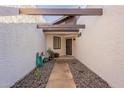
[[68, 46]]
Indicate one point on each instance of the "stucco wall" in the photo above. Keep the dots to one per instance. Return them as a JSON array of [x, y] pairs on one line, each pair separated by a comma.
[[49, 44], [101, 46], [18, 46], [10, 14]]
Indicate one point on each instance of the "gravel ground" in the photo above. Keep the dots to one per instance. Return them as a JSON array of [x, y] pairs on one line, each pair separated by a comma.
[[84, 77], [30, 81]]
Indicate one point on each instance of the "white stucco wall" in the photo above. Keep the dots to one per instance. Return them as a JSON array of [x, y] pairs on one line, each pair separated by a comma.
[[49, 44], [73, 46], [5, 11], [18, 46], [10, 14], [101, 46]]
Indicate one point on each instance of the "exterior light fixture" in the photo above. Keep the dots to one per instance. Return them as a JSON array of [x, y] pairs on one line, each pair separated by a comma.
[[74, 39], [79, 34]]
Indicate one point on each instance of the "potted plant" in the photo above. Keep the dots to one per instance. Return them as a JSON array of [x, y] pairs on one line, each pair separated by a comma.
[[51, 53], [56, 55]]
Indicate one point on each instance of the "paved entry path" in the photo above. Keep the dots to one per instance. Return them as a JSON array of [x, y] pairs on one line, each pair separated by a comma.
[[61, 77]]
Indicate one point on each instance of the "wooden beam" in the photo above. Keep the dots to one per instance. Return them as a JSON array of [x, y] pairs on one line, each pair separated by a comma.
[[59, 11], [60, 26], [60, 29]]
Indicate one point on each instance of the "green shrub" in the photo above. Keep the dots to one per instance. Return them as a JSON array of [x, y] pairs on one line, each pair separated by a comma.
[[51, 53], [37, 73]]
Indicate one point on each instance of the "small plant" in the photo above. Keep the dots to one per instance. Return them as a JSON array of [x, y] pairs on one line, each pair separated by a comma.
[[51, 53], [37, 73], [79, 34], [45, 60]]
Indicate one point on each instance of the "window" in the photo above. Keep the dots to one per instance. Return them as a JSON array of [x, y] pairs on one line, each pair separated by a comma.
[[56, 42]]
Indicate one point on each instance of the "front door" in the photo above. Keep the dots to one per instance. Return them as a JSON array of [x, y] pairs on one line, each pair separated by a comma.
[[68, 46]]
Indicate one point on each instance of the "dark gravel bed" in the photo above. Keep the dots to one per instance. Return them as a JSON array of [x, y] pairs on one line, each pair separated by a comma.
[[84, 77], [30, 81]]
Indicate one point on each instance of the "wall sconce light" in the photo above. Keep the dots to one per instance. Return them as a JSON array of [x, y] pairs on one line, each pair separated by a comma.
[[74, 39], [79, 34]]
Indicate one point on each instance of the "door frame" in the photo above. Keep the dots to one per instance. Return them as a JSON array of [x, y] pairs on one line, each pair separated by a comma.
[[66, 46]]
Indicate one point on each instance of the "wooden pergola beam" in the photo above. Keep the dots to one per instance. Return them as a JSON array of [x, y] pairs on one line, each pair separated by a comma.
[[59, 11], [60, 26], [61, 30]]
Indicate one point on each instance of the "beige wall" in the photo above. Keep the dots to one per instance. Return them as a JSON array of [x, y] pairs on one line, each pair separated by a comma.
[[49, 44], [19, 44], [62, 51], [101, 46]]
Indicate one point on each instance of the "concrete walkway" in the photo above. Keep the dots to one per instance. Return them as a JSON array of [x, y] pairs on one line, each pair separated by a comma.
[[61, 77]]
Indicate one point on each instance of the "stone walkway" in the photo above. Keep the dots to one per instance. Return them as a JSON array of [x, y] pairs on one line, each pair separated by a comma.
[[61, 77]]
